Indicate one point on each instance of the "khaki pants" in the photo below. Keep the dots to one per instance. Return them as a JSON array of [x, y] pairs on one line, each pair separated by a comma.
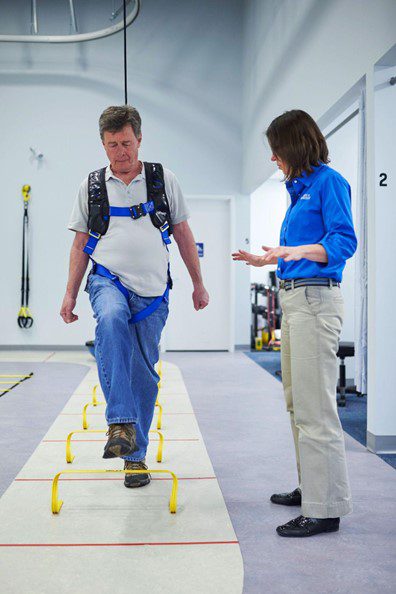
[[311, 326]]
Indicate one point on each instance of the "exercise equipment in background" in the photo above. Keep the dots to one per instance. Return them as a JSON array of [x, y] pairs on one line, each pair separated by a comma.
[[266, 316], [345, 386], [90, 344], [25, 319]]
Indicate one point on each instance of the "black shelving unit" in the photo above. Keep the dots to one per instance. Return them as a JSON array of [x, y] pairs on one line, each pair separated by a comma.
[[269, 309]]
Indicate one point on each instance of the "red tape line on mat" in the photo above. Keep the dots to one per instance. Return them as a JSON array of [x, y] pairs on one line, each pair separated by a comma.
[[120, 544]]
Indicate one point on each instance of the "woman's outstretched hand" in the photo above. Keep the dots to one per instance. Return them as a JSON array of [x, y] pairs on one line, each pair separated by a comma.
[[288, 253], [252, 259]]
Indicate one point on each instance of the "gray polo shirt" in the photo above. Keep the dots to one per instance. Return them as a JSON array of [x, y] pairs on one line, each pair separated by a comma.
[[132, 249]]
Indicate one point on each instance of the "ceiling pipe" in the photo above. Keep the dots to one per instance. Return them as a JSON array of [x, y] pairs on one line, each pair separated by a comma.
[[117, 12], [77, 37], [73, 16], [34, 24]]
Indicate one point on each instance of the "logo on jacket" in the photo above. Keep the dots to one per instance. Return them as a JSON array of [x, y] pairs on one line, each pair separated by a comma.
[[306, 197]]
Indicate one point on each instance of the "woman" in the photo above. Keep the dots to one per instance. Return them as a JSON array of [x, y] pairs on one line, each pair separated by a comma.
[[317, 237]]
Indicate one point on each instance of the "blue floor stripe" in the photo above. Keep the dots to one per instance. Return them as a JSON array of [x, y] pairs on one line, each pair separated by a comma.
[[353, 416], [30, 408]]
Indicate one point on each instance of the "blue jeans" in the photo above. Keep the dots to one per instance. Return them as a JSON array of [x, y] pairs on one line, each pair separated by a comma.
[[126, 354]]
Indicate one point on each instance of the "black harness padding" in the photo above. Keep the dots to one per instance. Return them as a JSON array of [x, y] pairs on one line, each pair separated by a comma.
[[98, 200], [156, 192]]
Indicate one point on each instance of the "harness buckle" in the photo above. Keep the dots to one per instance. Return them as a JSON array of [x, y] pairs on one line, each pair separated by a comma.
[[164, 227], [94, 234], [137, 211]]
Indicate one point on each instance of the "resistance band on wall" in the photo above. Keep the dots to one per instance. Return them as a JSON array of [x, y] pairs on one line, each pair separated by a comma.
[[25, 319]]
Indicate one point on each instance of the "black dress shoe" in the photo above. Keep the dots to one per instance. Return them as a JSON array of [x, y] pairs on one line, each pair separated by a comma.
[[293, 498], [303, 526]]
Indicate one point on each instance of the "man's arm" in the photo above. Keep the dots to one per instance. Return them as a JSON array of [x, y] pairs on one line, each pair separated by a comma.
[[77, 268], [188, 251]]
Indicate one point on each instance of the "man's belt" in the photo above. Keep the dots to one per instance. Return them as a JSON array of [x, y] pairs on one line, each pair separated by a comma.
[[295, 283]]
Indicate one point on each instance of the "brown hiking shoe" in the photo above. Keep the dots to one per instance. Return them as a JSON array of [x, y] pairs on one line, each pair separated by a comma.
[[138, 479], [121, 442]]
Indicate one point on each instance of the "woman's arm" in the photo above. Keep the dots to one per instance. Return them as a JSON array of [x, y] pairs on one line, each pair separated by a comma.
[[340, 240], [314, 252]]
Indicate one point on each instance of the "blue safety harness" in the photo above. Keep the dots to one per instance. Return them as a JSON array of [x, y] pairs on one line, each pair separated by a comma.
[[99, 215]]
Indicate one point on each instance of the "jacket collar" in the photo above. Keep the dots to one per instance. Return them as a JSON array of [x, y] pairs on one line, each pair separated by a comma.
[[306, 179]]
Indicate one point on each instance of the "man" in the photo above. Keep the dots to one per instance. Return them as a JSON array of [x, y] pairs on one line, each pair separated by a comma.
[[125, 233]]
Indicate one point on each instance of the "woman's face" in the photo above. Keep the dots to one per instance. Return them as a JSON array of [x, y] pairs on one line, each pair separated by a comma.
[[281, 164]]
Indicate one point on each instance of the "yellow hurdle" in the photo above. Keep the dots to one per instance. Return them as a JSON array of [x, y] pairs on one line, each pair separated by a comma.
[[159, 371], [84, 413], [159, 419], [12, 382], [94, 399], [70, 457], [99, 403], [56, 503]]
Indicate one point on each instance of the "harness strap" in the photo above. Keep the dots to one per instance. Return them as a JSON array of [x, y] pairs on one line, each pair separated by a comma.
[[147, 311], [140, 315], [165, 234], [92, 242], [135, 212], [103, 271]]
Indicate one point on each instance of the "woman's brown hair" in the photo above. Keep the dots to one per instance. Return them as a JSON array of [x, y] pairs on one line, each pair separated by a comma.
[[295, 138]]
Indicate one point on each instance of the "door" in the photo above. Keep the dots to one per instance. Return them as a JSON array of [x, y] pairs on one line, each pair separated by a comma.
[[212, 328]]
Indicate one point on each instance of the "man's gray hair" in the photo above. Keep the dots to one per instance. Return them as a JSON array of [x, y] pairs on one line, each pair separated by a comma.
[[115, 117]]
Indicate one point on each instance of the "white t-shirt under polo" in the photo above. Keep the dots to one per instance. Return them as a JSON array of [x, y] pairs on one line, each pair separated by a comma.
[[132, 249]]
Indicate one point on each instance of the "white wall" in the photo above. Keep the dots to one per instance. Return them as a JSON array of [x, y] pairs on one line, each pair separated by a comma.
[[343, 150], [242, 273], [304, 55], [382, 379], [187, 88], [268, 207]]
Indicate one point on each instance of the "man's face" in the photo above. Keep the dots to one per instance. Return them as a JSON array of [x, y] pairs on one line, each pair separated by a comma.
[[122, 149]]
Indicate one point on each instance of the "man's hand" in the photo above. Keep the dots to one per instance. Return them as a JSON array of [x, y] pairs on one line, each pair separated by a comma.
[[188, 251], [200, 297], [66, 312], [78, 265]]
